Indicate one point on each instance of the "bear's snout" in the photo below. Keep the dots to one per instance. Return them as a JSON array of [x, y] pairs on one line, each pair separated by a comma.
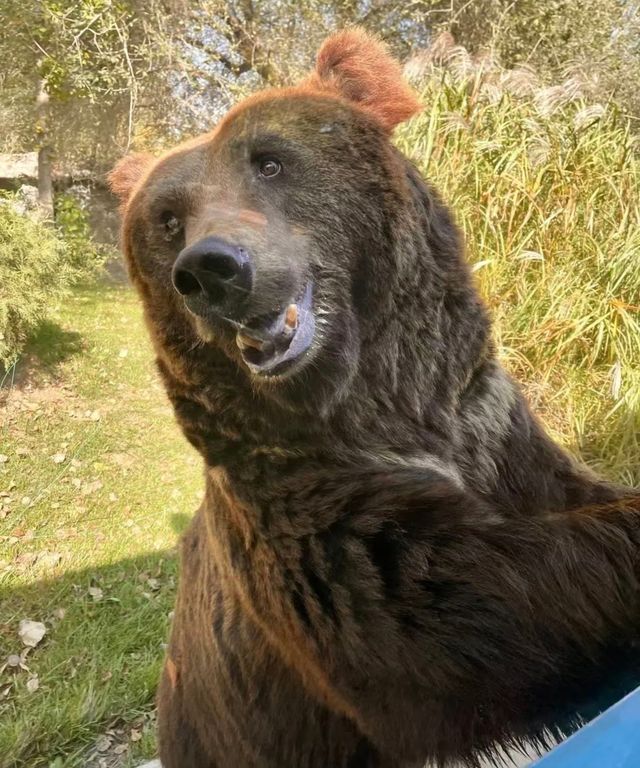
[[215, 274]]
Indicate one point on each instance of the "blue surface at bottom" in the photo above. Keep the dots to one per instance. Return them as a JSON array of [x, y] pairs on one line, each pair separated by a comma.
[[612, 740]]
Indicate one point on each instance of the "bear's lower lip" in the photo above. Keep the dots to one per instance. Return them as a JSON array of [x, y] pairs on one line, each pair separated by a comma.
[[271, 349]]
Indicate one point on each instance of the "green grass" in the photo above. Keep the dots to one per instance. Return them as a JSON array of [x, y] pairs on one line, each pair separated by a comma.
[[99, 482]]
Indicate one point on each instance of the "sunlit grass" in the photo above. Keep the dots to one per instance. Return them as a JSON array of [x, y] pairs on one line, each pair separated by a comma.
[[99, 481]]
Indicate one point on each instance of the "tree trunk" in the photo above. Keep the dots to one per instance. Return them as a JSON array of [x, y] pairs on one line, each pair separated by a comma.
[[45, 183]]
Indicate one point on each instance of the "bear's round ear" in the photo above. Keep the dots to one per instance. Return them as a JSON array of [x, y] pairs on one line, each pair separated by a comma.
[[127, 173], [360, 68]]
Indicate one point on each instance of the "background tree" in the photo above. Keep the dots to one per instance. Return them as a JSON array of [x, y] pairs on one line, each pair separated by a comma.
[[79, 78], [84, 80]]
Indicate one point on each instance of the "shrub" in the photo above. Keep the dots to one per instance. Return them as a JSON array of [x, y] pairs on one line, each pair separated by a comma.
[[72, 223], [36, 268], [546, 189]]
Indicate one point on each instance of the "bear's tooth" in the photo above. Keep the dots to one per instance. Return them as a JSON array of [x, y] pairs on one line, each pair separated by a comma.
[[291, 317], [247, 341]]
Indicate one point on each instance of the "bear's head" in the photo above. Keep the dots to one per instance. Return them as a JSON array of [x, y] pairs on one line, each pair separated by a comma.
[[294, 249]]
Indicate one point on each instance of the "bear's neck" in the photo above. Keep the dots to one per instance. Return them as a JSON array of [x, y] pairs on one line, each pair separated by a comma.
[[480, 430], [483, 437], [504, 448]]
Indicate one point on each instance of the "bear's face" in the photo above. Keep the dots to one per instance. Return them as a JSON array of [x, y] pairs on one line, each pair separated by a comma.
[[247, 229], [252, 238]]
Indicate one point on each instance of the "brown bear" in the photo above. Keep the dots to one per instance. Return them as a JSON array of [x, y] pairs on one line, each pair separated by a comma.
[[393, 563]]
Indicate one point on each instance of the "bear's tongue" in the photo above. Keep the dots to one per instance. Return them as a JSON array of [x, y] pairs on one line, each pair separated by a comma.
[[265, 349]]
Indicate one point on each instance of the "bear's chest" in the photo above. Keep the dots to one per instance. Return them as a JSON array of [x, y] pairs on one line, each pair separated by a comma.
[[246, 691]]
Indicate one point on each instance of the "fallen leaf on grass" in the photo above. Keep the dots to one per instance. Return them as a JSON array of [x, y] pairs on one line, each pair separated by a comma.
[[66, 533], [122, 460], [91, 487], [5, 505], [103, 743], [25, 560], [96, 593], [31, 632], [49, 559], [43, 561], [15, 662], [3, 459]]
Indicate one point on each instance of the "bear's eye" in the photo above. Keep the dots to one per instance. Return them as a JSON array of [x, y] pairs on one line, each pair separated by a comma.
[[172, 225], [269, 167]]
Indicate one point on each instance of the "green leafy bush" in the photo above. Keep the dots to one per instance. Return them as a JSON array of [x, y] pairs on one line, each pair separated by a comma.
[[72, 223], [37, 266], [546, 188]]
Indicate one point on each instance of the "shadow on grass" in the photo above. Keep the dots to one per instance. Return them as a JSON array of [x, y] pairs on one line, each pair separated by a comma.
[[48, 346], [97, 666], [52, 344], [179, 522]]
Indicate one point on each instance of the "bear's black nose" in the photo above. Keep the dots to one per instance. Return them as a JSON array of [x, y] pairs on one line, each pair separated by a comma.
[[216, 271]]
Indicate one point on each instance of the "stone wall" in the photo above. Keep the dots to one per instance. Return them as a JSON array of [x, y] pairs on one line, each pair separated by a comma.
[[100, 205], [19, 173]]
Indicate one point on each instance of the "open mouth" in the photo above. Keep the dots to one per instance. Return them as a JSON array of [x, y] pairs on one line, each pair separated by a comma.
[[272, 346], [269, 345]]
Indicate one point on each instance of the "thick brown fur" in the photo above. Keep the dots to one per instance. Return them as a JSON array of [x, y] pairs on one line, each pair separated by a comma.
[[128, 173], [359, 68], [393, 563]]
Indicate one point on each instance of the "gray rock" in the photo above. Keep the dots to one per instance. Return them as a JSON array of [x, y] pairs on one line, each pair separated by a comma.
[[22, 165]]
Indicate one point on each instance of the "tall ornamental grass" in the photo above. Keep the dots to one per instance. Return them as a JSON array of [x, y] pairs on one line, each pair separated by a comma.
[[545, 185]]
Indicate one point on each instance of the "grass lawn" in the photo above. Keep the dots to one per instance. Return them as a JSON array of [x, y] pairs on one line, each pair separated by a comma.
[[96, 483]]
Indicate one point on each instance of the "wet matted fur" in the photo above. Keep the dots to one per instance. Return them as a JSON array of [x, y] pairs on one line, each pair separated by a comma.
[[393, 563]]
